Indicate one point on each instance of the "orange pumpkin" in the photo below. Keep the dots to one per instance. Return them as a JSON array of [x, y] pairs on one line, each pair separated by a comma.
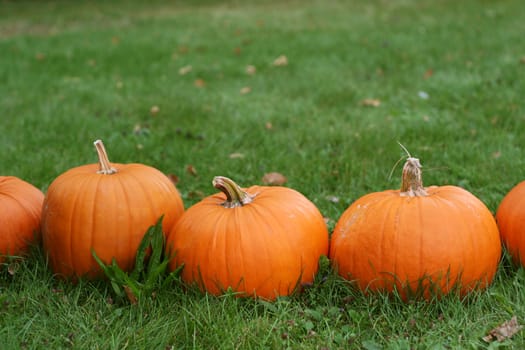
[[510, 217], [105, 208], [417, 240], [261, 241], [20, 211]]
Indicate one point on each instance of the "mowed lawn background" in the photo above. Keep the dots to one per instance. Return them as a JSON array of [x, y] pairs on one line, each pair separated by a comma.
[[352, 79]]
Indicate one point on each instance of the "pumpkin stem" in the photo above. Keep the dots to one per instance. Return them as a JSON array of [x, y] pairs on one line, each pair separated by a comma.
[[105, 165], [235, 196], [412, 182]]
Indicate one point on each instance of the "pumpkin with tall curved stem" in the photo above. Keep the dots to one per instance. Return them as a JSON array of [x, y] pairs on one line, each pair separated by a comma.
[[262, 241]]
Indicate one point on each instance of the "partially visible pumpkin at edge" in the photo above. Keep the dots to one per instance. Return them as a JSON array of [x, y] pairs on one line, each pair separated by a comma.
[[20, 213], [510, 217]]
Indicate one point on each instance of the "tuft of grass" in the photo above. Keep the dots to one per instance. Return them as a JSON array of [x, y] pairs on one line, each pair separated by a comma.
[[149, 271], [447, 75]]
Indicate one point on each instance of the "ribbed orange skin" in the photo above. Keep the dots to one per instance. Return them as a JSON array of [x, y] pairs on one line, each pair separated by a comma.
[[446, 240], [510, 217], [20, 211], [85, 211], [263, 249]]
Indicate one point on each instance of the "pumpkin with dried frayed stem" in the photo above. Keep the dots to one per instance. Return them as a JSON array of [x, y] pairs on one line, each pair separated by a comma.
[[419, 241], [261, 241], [510, 217], [104, 209], [20, 212]]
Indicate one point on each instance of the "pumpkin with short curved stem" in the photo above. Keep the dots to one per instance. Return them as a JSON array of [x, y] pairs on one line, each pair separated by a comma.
[[105, 209], [20, 212], [510, 217], [422, 242], [262, 241]]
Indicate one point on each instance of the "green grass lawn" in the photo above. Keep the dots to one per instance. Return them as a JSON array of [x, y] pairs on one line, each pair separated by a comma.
[[448, 81]]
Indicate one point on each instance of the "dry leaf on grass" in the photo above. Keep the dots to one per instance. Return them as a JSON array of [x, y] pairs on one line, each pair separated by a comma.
[[173, 178], [191, 170], [504, 331], [131, 296], [185, 70], [274, 179], [236, 155], [246, 90], [371, 102], [154, 110], [200, 83], [250, 70], [281, 61]]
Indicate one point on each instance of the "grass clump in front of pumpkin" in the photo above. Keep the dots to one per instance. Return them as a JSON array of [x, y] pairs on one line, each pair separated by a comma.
[[149, 273]]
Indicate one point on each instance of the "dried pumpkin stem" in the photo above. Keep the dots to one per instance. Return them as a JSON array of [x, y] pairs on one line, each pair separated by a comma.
[[235, 196], [412, 182], [105, 165]]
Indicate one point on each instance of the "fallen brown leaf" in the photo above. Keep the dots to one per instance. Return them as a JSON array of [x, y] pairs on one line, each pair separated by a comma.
[[246, 90], [274, 179], [185, 70], [131, 296], [250, 70], [504, 331], [268, 126], [154, 110], [428, 73], [191, 170], [236, 155], [173, 178], [281, 61], [371, 102], [199, 83]]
